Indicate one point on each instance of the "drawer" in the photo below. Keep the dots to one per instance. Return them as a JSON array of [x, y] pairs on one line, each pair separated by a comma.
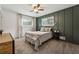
[[2, 46], [6, 51], [6, 47]]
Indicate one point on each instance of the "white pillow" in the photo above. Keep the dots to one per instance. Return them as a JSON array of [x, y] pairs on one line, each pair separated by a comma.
[[42, 29], [47, 29]]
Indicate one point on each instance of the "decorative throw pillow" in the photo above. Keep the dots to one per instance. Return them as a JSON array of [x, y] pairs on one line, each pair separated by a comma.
[[42, 29], [47, 29], [50, 29]]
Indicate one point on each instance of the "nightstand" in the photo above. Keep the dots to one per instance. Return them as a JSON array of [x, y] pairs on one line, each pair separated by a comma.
[[56, 35], [62, 37]]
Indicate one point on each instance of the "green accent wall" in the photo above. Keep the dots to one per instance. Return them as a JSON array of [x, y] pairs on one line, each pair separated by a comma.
[[76, 24], [61, 21], [39, 21], [38, 24], [67, 22], [56, 20]]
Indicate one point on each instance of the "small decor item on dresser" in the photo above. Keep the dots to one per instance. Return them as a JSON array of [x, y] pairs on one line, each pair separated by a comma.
[[1, 31]]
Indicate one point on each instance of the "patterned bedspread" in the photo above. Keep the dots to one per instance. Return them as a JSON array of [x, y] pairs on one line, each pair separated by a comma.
[[37, 37]]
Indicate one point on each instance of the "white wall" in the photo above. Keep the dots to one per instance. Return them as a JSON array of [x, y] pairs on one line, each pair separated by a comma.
[[9, 22], [0, 22], [0, 19]]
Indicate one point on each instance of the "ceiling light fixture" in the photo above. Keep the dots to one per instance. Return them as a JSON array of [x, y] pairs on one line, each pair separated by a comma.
[[36, 8]]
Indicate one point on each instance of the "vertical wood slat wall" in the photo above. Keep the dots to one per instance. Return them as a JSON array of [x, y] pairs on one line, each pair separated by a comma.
[[67, 22], [76, 24]]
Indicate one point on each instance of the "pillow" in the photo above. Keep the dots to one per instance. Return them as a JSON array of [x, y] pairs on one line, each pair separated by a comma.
[[47, 29], [42, 29]]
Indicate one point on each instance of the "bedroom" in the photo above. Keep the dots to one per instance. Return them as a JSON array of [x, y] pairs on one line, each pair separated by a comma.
[[35, 20]]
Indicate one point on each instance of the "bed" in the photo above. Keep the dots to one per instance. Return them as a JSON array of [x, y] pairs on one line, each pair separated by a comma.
[[38, 37]]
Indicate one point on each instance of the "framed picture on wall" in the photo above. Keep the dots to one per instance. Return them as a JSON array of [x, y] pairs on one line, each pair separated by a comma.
[[48, 21]]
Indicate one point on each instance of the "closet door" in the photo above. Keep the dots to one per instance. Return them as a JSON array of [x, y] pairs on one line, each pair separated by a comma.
[[56, 22], [76, 24], [61, 21], [68, 24]]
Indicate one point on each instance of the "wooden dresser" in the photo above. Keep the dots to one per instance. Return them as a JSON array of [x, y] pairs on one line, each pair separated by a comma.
[[6, 44]]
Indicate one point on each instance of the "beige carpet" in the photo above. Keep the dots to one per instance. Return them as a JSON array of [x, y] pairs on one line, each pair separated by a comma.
[[50, 47]]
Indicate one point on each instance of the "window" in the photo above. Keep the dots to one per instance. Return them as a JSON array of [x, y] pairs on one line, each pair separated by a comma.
[[26, 21], [49, 21]]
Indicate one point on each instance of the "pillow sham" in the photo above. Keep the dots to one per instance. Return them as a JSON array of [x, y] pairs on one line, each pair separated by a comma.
[[42, 29], [47, 29]]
